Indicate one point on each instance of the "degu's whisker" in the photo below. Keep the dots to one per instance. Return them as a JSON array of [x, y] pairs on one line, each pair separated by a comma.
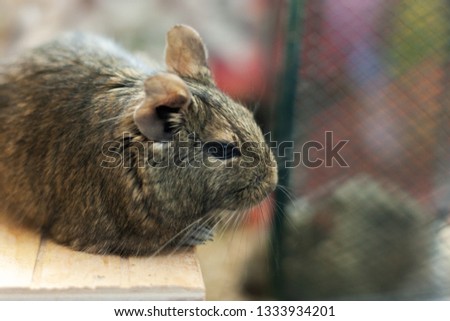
[[175, 236], [288, 193], [188, 233], [220, 226]]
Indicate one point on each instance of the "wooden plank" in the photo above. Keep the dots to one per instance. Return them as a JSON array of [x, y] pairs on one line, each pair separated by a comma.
[[18, 252], [70, 272], [179, 270], [58, 267], [31, 268]]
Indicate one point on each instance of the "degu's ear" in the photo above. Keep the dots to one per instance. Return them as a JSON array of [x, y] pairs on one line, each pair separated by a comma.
[[186, 54], [164, 94]]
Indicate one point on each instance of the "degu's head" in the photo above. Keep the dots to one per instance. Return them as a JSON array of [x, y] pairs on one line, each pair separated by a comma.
[[212, 141]]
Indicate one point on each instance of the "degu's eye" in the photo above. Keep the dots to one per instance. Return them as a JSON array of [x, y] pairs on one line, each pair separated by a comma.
[[221, 150]]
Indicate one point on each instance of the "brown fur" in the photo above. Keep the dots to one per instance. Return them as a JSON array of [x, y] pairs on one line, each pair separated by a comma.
[[60, 103]]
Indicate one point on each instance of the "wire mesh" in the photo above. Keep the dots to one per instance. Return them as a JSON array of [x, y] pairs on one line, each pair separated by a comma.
[[370, 218]]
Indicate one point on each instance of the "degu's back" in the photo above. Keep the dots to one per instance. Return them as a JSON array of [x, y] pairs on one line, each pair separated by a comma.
[[51, 98]]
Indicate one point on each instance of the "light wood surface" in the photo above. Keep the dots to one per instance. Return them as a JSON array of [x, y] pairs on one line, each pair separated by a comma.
[[35, 268]]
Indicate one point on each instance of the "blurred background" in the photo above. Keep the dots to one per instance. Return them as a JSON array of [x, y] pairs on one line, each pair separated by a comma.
[[374, 73]]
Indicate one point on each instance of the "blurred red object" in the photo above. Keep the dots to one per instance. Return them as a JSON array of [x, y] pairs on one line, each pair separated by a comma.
[[244, 78], [261, 215]]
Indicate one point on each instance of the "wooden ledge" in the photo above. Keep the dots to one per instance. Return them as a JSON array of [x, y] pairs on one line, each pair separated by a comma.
[[38, 269]]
